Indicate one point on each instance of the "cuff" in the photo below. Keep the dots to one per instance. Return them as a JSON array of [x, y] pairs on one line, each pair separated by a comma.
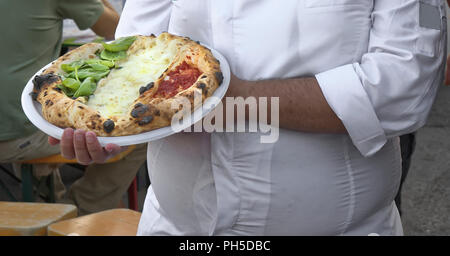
[[345, 94]]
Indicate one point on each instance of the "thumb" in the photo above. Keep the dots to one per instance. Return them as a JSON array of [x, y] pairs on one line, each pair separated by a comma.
[[114, 149]]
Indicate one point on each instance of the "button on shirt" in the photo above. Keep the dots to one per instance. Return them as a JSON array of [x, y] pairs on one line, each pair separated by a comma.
[[379, 64]]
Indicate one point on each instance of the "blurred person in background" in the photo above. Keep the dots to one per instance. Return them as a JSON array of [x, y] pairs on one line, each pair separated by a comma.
[[31, 38]]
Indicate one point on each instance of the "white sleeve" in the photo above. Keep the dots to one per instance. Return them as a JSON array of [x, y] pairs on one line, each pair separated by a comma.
[[144, 17], [391, 91]]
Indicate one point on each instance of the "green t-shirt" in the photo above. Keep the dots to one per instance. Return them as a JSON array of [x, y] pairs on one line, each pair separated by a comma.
[[31, 34]]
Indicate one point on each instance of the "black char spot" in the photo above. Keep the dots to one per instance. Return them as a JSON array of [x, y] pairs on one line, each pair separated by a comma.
[[219, 77], [146, 120], [39, 81], [142, 89], [201, 86], [108, 125], [146, 88], [138, 105], [139, 111], [57, 89]]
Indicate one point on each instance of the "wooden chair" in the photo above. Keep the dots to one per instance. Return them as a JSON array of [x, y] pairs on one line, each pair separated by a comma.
[[32, 219], [115, 222], [45, 184]]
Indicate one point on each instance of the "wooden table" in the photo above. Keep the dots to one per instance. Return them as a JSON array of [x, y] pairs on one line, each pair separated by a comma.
[[32, 219], [116, 222]]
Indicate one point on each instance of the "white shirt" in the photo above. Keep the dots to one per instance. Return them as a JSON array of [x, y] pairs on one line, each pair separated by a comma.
[[379, 64]]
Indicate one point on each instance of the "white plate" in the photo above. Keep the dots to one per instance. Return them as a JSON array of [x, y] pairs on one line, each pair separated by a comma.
[[33, 111]]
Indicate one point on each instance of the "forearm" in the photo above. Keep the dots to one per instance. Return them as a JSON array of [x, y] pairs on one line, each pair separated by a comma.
[[107, 23], [302, 106]]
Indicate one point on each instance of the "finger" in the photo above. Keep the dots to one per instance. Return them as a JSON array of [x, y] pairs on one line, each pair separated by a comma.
[[53, 141], [113, 149], [80, 147], [96, 151], [67, 149]]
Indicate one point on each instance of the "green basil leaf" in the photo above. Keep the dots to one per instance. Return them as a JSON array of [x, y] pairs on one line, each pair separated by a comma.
[[107, 63], [87, 88], [71, 75], [85, 73], [67, 68], [89, 72], [107, 55], [73, 66], [99, 75], [121, 44], [71, 83], [92, 61], [99, 67], [67, 91]]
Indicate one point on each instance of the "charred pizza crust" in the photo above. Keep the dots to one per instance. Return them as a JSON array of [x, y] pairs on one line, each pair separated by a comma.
[[151, 110]]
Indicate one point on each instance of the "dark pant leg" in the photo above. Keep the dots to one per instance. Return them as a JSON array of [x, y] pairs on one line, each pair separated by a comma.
[[407, 146]]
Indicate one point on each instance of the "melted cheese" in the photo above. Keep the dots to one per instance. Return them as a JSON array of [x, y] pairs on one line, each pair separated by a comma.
[[115, 94]]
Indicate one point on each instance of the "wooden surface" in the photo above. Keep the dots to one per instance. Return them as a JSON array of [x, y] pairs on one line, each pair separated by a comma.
[[116, 222], [32, 219], [59, 159]]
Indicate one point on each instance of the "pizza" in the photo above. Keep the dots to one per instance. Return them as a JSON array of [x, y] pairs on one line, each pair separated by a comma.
[[128, 86]]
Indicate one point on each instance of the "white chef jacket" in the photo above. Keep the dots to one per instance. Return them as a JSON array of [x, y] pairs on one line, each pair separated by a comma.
[[379, 64]]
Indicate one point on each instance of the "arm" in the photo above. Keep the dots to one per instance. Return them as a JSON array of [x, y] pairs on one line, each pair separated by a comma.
[[388, 92], [302, 104], [107, 23]]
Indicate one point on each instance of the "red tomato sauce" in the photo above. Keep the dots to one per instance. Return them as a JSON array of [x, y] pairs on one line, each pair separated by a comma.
[[183, 77]]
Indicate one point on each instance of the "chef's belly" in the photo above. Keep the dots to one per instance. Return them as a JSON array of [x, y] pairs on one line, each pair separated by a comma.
[[322, 185], [304, 184]]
